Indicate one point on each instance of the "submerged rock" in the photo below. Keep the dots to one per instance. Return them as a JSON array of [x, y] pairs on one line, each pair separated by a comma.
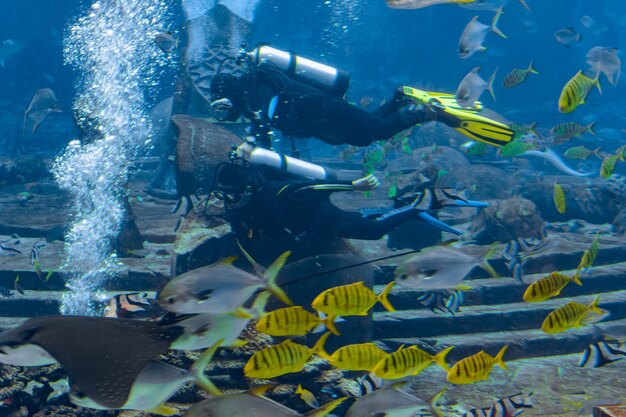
[[507, 220]]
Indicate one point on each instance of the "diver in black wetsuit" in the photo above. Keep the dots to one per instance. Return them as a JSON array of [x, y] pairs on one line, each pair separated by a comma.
[[273, 100], [260, 208]]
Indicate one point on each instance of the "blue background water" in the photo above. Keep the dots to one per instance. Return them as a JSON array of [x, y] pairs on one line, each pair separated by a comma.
[[381, 47]]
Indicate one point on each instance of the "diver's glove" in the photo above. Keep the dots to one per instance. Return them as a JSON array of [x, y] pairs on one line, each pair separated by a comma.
[[244, 150], [367, 183]]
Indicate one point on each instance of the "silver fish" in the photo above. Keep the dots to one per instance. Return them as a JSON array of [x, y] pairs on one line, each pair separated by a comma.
[[391, 401], [551, 156], [472, 86], [166, 41], [251, 404], [474, 34], [42, 104], [439, 267], [154, 385], [203, 330], [419, 4], [568, 35], [219, 288], [606, 61]]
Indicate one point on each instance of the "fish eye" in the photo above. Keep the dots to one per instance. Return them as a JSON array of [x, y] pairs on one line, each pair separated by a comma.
[[170, 300], [80, 395], [404, 276]]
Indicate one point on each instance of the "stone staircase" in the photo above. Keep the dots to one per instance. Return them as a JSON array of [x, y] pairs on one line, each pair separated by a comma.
[[494, 314]]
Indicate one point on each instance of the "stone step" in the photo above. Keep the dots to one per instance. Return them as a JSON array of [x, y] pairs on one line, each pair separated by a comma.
[[522, 343], [484, 318], [491, 291]]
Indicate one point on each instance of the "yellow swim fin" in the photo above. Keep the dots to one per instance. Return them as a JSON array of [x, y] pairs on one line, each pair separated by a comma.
[[465, 121]]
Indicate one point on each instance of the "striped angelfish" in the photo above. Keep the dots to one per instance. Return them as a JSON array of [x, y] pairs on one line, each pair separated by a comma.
[[369, 383], [518, 76], [602, 353], [511, 406], [576, 90], [478, 412]]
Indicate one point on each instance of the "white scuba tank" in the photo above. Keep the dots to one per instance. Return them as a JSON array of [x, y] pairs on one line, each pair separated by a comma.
[[306, 71]]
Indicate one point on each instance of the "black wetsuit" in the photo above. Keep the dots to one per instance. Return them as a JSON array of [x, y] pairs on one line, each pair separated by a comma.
[[304, 111], [294, 209]]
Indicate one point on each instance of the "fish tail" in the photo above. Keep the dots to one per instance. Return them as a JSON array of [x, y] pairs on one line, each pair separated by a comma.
[[270, 275], [594, 306], [532, 69], [440, 358], [318, 348], [325, 409], [432, 403], [498, 359], [329, 322], [596, 152], [299, 390], [382, 297], [596, 82], [199, 365], [576, 277], [589, 128], [533, 125], [485, 260], [258, 307], [494, 22], [490, 84]]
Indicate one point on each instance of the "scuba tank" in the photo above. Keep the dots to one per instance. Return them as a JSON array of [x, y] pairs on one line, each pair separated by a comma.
[[306, 71], [294, 166]]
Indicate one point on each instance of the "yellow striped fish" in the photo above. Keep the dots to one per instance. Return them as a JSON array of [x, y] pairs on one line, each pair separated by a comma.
[[576, 90], [559, 198], [476, 367], [292, 321], [608, 166], [281, 359], [358, 357], [548, 287], [409, 362], [351, 300], [589, 255], [573, 315], [307, 396], [518, 76]]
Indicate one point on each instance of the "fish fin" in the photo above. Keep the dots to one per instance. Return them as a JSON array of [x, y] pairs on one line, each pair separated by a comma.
[[298, 390], [326, 408], [490, 84], [241, 313], [524, 4], [494, 22], [201, 363], [532, 69], [463, 287], [227, 261], [597, 82], [485, 260], [329, 322], [318, 348], [259, 390], [270, 275], [440, 358], [432, 403], [576, 278], [594, 306], [382, 297], [498, 359], [258, 307], [163, 410], [589, 128], [237, 343]]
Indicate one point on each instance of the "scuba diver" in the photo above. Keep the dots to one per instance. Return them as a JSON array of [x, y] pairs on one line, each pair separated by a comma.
[[260, 203], [303, 98]]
